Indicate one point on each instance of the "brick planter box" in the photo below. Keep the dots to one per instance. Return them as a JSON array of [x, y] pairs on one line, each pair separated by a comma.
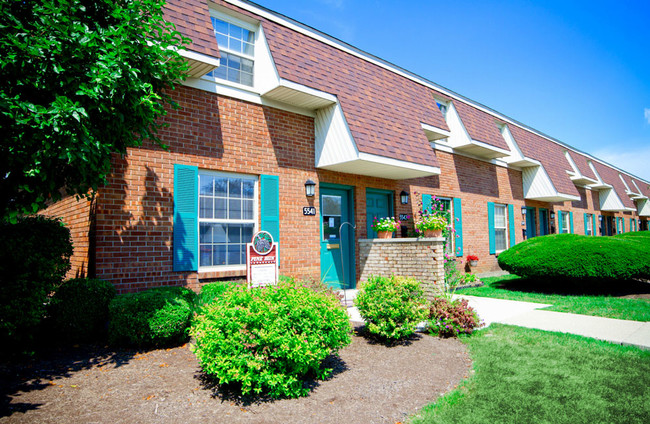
[[420, 258]]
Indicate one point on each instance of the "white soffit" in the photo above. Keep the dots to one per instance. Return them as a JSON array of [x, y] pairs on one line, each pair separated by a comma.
[[434, 133], [538, 186], [580, 180], [337, 151], [460, 140], [516, 156], [299, 95]]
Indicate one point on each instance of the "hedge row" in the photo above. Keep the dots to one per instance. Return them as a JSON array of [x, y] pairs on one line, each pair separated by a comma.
[[570, 256]]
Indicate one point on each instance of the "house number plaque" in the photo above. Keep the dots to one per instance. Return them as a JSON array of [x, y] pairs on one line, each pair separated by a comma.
[[309, 210]]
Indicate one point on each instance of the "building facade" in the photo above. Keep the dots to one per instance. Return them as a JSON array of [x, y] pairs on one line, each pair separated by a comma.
[[269, 104]]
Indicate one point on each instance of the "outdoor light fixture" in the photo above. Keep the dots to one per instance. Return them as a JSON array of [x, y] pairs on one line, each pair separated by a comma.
[[310, 188], [552, 215], [404, 197], [523, 210], [600, 218]]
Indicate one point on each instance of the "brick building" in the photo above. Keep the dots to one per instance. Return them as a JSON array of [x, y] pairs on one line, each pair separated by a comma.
[[270, 104]]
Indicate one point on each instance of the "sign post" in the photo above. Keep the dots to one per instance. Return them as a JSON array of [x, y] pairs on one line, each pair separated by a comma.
[[262, 260]]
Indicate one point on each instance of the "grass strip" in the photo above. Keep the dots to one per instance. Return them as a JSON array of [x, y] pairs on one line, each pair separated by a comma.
[[532, 376], [567, 298]]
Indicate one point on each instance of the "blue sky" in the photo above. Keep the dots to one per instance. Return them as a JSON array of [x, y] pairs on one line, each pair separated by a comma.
[[576, 70]]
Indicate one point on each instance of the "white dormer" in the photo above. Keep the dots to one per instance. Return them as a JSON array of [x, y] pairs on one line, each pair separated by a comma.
[[576, 176]]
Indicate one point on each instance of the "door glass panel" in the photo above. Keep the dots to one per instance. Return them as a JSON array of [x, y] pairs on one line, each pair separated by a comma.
[[331, 216]]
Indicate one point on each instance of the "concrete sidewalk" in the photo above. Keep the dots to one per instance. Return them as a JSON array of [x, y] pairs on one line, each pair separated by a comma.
[[527, 314]]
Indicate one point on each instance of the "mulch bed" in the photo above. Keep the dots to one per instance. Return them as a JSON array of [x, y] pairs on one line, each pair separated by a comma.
[[371, 383]]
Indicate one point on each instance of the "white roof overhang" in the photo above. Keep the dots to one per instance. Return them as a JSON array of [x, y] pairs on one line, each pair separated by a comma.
[[299, 95], [200, 64], [643, 207], [538, 186]]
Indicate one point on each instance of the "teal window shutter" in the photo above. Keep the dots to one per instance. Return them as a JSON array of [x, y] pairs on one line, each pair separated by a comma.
[[571, 222], [458, 225], [511, 221], [491, 235], [426, 201], [623, 225], [186, 216], [585, 218], [618, 225], [270, 205], [560, 223], [593, 224]]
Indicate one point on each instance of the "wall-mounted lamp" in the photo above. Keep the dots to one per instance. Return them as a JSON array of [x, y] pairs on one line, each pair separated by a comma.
[[404, 197], [523, 210], [600, 218], [552, 215], [310, 188]]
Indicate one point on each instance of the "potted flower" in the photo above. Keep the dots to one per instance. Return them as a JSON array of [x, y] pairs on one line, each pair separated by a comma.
[[385, 226], [431, 225], [472, 259]]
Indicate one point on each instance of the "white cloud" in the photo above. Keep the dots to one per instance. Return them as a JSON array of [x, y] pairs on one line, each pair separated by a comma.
[[634, 160], [646, 113]]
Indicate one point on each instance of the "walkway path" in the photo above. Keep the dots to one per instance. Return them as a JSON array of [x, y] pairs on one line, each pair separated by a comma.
[[530, 315], [527, 314]]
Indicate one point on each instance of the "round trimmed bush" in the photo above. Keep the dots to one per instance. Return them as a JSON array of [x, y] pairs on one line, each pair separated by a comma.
[[269, 340], [392, 307], [79, 309], [570, 256], [152, 318]]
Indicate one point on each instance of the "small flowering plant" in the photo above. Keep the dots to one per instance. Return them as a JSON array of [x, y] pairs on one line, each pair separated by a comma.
[[435, 217], [385, 224], [472, 258]]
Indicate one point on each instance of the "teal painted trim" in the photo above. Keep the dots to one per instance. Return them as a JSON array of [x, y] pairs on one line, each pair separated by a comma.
[[458, 225], [491, 233], [560, 223], [270, 205], [185, 250], [571, 222], [390, 193], [426, 201], [617, 225], [585, 218], [593, 224], [623, 225], [334, 185], [511, 221]]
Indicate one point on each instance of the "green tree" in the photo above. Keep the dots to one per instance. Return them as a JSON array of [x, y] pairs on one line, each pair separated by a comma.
[[79, 81]]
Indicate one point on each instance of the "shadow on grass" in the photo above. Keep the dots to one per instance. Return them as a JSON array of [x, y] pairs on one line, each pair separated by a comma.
[[362, 331], [233, 393], [615, 288], [30, 374]]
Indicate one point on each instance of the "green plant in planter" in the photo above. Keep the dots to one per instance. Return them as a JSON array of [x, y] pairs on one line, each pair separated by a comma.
[[385, 224], [392, 307]]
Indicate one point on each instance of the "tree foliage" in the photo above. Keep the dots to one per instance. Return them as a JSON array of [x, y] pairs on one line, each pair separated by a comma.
[[79, 80]]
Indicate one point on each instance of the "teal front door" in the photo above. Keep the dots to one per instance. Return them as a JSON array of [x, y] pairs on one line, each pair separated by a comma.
[[543, 222], [531, 223], [336, 238], [379, 204]]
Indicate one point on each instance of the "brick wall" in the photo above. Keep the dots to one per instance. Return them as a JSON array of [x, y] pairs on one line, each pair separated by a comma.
[[422, 259]]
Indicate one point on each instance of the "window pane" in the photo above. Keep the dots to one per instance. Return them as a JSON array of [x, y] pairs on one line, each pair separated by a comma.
[[234, 62], [234, 209], [248, 189], [205, 235], [222, 71], [500, 239], [234, 187], [246, 79], [218, 233], [220, 209], [234, 233], [247, 210], [249, 49], [206, 183], [500, 216], [220, 187], [205, 256], [331, 205], [247, 233], [220, 26], [234, 254], [235, 31], [206, 206], [247, 65], [222, 41], [236, 45], [219, 255]]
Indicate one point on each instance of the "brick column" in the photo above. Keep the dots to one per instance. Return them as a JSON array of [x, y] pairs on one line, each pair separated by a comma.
[[419, 258]]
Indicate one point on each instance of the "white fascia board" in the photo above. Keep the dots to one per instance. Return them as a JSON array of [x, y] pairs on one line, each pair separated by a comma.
[[419, 168], [299, 95], [382, 167], [516, 156], [434, 133], [486, 150], [199, 57]]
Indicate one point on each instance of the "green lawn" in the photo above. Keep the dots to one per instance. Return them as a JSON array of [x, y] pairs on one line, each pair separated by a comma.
[[532, 376], [586, 300]]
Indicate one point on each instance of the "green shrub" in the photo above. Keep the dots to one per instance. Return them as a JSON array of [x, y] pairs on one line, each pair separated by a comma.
[[152, 318], [570, 256], [270, 340], [451, 318], [34, 258], [211, 291], [79, 309], [392, 307]]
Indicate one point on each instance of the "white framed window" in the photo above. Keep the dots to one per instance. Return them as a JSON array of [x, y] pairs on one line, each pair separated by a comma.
[[589, 227], [236, 41], [227, 218], [447, 206], [443, 108], [500, 228], [566, 224]]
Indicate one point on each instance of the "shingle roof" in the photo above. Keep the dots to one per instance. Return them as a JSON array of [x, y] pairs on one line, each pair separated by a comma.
[[551, 156], [384, 110], [481, 126], [610, 176], [581, 163], [192, 19]]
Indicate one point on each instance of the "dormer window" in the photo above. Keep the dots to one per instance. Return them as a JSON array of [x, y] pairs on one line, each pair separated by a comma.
[[237, 48], [443, 108]]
